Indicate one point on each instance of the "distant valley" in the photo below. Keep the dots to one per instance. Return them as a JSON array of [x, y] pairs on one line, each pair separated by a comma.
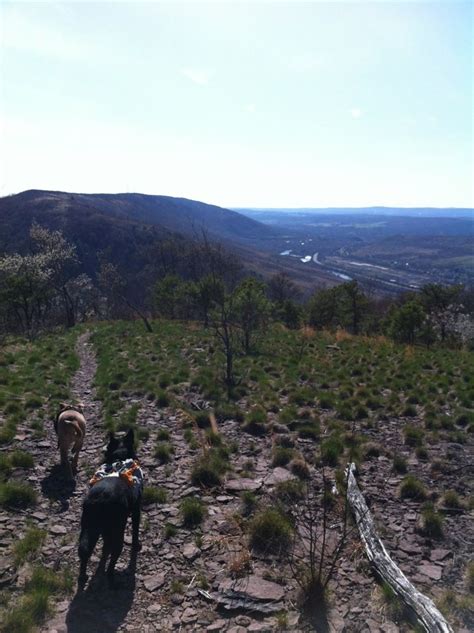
[[387, 250], [390, 250]]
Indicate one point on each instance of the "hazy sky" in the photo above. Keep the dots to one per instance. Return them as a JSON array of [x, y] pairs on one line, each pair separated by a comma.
[[241, 104]]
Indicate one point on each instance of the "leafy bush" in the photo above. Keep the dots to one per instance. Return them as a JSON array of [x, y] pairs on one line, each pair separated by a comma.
[[163, 452], [28, 545], [163, 435], [412, 488], [372, 450], [300, 468], [413, 436], [249, 502], [399, 464], [16, 495], [193, 511], [451, 499], [270, 531], [331, 449], [154, 495], [291, 491], [208, 469], [202, 420], [281, 456], [432, 522]]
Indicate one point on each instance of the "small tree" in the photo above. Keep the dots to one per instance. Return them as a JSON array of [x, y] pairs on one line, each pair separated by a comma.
[[251, 310], [324, 308], [226, 330], [59, 260], [442, 304], [281, 289], [406, 322], [355, 304], [33, 284], [208, 291], [114, 288], [174, 297]]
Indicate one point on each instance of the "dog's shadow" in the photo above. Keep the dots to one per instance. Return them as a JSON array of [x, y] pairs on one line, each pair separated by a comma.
[[100, 609], [55, 485]]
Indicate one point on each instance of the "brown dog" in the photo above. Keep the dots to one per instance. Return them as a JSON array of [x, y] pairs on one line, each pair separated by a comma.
[[70, 427]]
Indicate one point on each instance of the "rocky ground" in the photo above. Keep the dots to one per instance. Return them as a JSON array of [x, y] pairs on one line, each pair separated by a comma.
[[176, 583]]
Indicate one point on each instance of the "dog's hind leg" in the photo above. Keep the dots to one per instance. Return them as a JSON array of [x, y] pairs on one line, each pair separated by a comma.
[[75, 451], [65, 463], [87, 541], [114, 543]]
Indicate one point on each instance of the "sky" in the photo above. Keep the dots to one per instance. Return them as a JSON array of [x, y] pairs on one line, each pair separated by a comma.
[[257, 104]]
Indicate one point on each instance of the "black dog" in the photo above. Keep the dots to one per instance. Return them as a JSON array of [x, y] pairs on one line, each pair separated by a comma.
[[109, 503]]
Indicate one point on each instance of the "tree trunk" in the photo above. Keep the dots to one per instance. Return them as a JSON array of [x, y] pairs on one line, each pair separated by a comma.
[[425, 610]]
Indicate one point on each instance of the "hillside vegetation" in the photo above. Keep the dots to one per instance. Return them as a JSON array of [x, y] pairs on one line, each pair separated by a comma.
[[231, 501]]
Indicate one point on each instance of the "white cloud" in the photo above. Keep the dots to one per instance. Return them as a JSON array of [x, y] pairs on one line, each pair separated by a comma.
[[356, 113], [198, 76], [250, 107]]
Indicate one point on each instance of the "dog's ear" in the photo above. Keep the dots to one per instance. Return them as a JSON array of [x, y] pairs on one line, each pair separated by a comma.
[[63, 406], [112, 439]]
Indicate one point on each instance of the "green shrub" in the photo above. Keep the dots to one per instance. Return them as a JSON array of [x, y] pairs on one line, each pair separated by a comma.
[[163, 399], [21, 459], [16, 495], [154, 495], [53, 582], [193, 511], [331, 449], [163, 452], [413, 436], [309, 432], [432, 522], [256, 423], [28, 545], [451, 499], [291, 491], [422, 453], [249, 502], [281, 456], [202, 420], [270, 531], [300, 468], [163, 435], [170, 530], [208, 469], [412, 488], [399, 464], [372, 450]]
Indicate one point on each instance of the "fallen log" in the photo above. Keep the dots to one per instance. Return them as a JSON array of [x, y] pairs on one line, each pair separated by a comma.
[[424, 608]]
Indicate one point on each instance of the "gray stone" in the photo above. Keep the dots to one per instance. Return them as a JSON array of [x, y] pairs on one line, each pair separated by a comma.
[[278, 475], [254, 587], [440, 554], [432, 571], [237, 485], [217, 625], [152, 583], [190, 551]]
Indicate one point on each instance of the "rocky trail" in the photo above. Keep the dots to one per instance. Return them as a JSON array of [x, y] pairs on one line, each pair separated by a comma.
[[175, 581]]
